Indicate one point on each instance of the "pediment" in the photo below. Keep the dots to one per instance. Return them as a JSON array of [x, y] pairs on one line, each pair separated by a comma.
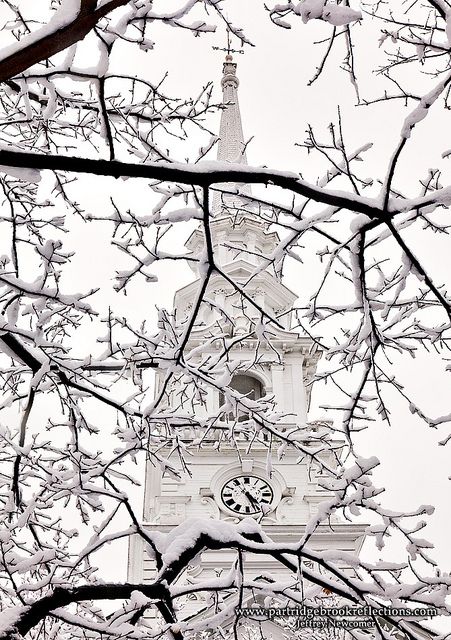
[[276, 293], [233, 224]]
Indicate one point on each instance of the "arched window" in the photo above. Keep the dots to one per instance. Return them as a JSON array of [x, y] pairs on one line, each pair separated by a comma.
[[246, 385]]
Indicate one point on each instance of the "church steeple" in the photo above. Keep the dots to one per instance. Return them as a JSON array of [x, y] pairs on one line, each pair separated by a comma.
[[234, 470], [239, 227], [231, 146]]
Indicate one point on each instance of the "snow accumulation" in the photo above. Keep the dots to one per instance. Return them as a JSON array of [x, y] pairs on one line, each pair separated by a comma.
[[185, 536], [338, 15], [52, 103], [178, 215], [28, 175], [310, 9], [422, 109], [21, 173], [358, 222], [35, 288], [10, 617], [212, 166], [67, 12]]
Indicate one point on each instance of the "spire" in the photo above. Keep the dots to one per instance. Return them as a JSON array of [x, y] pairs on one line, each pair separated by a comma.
[[231, 147], [231, 144]]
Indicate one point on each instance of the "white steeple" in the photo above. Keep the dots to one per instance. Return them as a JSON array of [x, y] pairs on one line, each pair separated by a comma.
[[240, 228], [228, 481], [231, 147]]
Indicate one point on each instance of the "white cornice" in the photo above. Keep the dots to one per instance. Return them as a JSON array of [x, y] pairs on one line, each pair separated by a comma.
[[242, 270]]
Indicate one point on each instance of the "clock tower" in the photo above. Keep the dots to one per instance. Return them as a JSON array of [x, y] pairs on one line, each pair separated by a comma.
[[249, 472]]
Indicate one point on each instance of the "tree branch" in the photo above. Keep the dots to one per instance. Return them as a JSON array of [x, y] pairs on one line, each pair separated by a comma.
[[58, 41], [187, 174], [61, 597]]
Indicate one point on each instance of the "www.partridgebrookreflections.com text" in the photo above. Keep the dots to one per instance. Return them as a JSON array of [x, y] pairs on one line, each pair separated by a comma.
[[340, 617]]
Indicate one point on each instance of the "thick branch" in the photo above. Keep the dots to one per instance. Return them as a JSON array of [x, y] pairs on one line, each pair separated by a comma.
[[203, 175], [63, 597], [20, 351], [57, 41]]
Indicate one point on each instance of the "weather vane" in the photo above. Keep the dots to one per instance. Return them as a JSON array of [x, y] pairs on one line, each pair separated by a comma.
[[228, 49]]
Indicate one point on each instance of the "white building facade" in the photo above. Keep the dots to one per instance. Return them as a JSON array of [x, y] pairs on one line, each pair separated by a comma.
[[245, 478]]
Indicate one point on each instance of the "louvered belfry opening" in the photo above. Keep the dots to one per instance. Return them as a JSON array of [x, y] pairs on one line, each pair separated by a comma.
[[247, 385]]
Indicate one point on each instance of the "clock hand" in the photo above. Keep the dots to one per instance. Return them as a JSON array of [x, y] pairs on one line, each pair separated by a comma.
[[254, 502], [248, 494]]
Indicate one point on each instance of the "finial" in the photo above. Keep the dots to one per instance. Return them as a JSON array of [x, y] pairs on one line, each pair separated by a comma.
[[228, 49]]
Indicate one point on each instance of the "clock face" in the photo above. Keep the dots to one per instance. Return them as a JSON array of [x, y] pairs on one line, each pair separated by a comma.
[[246, 495]]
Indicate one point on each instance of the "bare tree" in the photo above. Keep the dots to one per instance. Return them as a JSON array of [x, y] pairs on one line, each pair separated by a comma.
[[63, 120]]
